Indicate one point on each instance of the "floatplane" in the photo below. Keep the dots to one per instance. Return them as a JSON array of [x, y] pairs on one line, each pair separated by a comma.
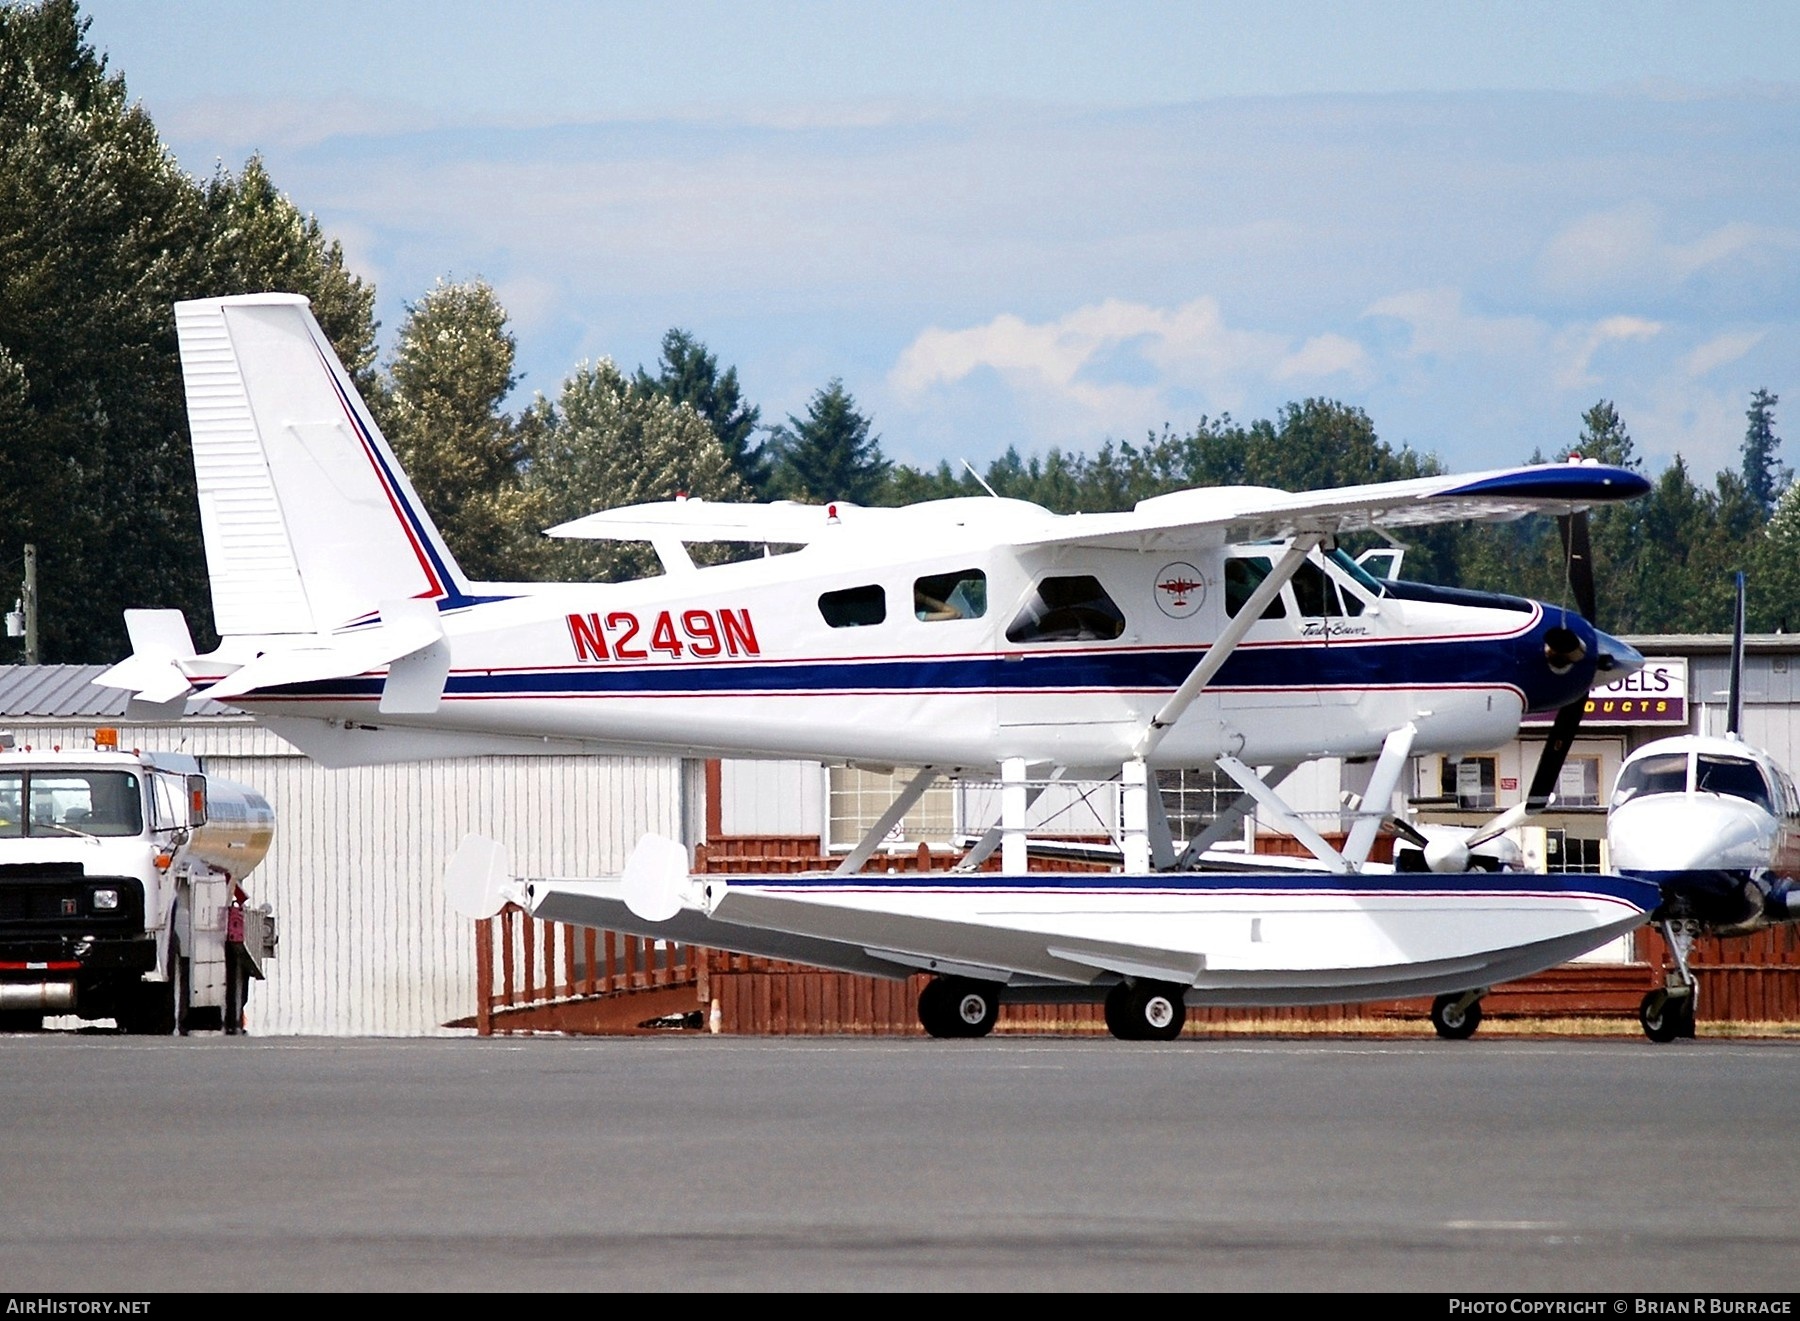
[[970, 638]]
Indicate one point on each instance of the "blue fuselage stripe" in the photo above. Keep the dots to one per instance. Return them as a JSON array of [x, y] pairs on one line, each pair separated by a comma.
[[1479, 663]]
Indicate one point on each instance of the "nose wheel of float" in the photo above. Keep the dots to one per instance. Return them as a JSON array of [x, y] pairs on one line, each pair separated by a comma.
[[1457, 1016], [1145, 1011], [958, 1007]]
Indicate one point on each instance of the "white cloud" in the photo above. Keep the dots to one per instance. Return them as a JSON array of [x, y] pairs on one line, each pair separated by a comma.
[[1720, 351], [1576, 346], [1116, 364], [1627, 247], [1441, 328]]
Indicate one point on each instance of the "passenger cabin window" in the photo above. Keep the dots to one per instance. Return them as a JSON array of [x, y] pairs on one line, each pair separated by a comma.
[[1243, 574], [1070, 609], [854, 607], [1733, 777], [1665, 773], [958, 595]]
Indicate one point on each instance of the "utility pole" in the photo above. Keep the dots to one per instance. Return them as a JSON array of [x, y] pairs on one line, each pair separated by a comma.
[[21, 620]]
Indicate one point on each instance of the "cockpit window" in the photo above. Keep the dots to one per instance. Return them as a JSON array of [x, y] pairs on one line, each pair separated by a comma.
[[854, 607], [1733, 777], [1714, 773], [959, 595], [1357, 573], [1243, 575], [1665, 773], [1318, 596], [46, 803], [1068, 609]]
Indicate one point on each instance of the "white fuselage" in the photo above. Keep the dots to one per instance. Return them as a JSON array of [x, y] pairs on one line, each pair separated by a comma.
[[823, 654]]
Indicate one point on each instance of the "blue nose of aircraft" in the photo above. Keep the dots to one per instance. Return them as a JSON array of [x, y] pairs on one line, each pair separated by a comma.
[[1566, 656], [1615, 659]]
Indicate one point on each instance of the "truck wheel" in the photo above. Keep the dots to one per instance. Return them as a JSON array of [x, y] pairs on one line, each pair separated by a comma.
[[181, 996], [237, 986], [149, 1007]]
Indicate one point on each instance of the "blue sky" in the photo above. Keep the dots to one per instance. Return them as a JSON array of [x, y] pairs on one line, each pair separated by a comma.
[[1052, 224]]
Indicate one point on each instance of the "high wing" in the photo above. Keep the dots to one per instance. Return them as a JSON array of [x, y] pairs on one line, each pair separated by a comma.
[[1198, 516]]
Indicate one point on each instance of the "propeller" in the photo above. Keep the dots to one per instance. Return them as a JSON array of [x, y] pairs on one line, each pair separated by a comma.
[[1563, 649]]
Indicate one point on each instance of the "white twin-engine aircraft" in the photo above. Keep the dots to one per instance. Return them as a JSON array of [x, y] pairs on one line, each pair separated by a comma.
[[1714, 822], [978, 638]]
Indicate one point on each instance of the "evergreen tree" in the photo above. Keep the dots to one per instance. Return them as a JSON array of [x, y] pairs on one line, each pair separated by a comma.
[[1604, 439], [690, 375], [829, 454], [258, 241], [99, 232], [1765, 477], [603, 444], [452, 369]]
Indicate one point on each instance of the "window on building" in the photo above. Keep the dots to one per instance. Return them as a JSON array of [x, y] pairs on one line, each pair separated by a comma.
[[1194, 796], [1470, 781], [854, 607], [1569, 853], [858, 798], [958, 595], [1075, 608], [1579, 783]]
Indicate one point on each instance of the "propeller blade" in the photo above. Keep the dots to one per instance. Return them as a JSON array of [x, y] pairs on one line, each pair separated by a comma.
[[1408, 831], [1734, 708], [1556, 752], [1578, 556], [1543, 781]]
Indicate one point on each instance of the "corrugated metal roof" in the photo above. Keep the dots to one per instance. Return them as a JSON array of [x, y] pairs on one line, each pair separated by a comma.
[[68, 692]]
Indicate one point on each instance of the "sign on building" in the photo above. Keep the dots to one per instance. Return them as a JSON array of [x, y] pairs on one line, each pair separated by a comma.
[[1654, 695]]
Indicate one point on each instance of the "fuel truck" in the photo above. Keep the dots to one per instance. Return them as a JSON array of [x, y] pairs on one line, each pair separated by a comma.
[[122, 890]]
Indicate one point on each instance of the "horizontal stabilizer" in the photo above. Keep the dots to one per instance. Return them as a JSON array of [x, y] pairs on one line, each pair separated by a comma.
[[415, 682], [160, 641], [479, 878], [345, 657]]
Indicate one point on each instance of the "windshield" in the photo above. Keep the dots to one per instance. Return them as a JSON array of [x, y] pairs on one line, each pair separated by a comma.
[[1665, 773], [1358, 575], [1734, 777], [44, 803]]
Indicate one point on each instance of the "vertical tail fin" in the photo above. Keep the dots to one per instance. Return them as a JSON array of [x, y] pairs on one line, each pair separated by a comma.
[[309, 522], [1734, 705]]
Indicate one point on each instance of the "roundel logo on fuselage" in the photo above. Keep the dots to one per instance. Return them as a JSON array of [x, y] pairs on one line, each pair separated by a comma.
[[1180, 589]]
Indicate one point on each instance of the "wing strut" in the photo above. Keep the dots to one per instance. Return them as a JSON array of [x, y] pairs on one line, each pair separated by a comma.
[[1220, 652], [1252, 784], [854, 860], [1230, 819]]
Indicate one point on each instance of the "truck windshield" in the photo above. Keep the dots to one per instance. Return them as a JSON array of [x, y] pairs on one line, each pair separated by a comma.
[[46, 803]]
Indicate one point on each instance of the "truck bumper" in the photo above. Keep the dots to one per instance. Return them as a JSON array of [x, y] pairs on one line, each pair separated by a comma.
[[42, 957]]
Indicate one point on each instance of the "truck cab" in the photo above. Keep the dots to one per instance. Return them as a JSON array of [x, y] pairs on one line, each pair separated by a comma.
[[120, 889]]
